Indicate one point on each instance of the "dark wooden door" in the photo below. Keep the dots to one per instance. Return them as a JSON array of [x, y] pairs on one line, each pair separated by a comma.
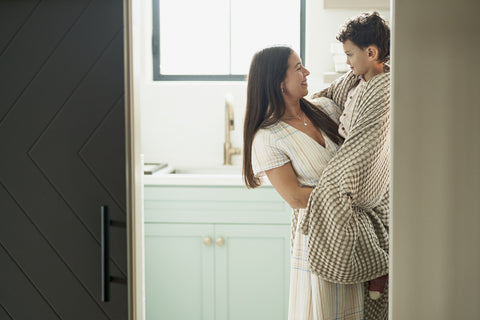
[[62, 157]]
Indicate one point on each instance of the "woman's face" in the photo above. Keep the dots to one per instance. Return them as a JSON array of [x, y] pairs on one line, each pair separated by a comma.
[[295, 83], [357, 58]]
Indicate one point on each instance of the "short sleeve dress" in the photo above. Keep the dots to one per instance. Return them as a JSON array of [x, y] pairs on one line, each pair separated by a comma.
[[311, 298]]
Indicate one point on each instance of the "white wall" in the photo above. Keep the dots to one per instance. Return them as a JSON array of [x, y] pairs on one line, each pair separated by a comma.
[[183, 122], [436, 160]]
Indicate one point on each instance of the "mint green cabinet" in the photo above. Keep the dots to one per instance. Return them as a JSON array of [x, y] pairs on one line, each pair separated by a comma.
[[216, 253], [252, 272], [179, 272]]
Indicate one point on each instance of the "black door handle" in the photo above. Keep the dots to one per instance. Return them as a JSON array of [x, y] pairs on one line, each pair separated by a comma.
[[105, 224]]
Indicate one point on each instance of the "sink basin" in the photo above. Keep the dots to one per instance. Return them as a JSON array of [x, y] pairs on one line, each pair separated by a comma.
[[206, 176], [220, 170]]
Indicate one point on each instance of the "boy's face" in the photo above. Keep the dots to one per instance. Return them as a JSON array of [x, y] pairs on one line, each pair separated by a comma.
[[357, 58]]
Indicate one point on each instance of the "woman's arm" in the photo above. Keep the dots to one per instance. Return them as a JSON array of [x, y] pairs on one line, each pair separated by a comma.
[[285, 181]]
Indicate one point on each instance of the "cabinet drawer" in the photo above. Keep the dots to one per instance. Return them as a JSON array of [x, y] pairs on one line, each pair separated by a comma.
[[215, 204]]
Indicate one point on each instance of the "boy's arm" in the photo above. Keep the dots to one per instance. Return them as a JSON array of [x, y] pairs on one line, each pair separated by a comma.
[[338, 89], [327, 92], [328, 106]]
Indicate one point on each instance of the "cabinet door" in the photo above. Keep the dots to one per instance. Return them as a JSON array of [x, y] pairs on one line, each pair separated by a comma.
[[252, 272], [179, 271]]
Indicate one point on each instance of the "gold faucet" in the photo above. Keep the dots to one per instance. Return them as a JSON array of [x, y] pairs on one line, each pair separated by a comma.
[[228, 151]]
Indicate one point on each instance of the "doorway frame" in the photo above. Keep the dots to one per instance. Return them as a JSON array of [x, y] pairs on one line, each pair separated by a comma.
[[135, 252], [135, 216]]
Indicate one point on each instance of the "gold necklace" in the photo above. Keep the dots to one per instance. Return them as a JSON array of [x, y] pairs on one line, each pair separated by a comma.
[[297, 117]]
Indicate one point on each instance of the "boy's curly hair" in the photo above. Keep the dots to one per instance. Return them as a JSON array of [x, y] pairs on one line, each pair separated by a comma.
[[365, 30]]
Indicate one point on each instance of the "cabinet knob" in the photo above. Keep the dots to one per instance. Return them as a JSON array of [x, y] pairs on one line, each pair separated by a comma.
[[207, 241], [220, 242]]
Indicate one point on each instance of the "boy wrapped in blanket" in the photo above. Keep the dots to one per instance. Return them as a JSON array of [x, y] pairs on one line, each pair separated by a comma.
[[348, 211]]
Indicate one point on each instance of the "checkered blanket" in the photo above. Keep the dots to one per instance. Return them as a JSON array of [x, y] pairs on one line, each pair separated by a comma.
[[347, 213]]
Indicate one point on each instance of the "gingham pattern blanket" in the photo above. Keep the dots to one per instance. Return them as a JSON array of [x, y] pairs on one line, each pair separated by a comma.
[[347, 214]]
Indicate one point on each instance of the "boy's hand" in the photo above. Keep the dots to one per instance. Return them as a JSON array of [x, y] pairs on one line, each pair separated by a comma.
[[316, 95], [323, 93]]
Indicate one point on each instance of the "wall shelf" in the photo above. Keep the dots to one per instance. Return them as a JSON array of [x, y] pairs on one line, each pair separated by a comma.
[[329, 77], [356, 4]]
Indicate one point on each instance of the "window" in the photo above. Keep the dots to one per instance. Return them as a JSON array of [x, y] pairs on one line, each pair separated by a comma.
[[216, 39]]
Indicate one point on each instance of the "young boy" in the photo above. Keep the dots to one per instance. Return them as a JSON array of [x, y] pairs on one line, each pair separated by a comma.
[[366, 42], [353, 191]]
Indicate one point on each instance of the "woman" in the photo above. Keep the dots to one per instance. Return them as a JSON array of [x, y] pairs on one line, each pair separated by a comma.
[[290, 140]]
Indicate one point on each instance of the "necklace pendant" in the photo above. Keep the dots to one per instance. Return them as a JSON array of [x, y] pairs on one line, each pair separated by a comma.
[[305, 124]]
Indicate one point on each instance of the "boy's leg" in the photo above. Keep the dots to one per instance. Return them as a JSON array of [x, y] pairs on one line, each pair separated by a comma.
[[377, 287], [376, 309]]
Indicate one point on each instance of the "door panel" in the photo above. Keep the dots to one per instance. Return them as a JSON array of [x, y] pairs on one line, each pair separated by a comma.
[[33, 43], [37, 258], [12, 22], [17, 287], [62, 156]]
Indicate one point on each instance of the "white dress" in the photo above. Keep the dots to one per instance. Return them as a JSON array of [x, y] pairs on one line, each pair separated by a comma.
[[311, 298]]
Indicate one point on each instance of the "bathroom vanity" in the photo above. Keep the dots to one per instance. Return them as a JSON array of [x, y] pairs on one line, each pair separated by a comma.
[[214, 249]]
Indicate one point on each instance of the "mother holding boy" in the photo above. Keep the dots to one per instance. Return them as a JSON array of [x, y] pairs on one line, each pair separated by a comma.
[[329, 159]]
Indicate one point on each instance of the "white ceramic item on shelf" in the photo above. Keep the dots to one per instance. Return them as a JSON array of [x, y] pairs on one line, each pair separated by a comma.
[[339, 58]]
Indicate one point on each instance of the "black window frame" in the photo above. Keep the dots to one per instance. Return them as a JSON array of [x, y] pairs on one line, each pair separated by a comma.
[[157, 76]]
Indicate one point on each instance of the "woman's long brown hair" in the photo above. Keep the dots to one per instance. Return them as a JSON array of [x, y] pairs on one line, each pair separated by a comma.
[[265, 104]]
